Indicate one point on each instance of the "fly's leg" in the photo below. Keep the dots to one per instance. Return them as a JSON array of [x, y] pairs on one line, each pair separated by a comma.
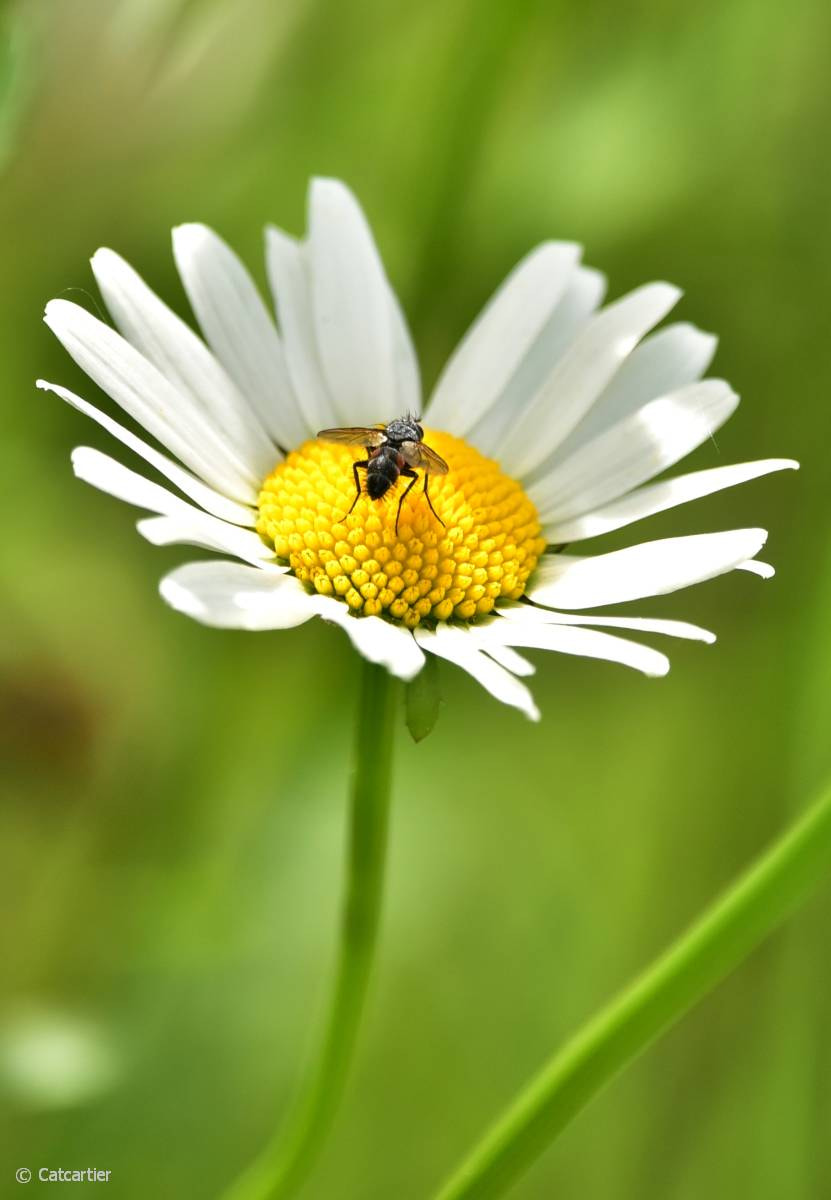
[[429, 501], [412, 476], [364, 463]]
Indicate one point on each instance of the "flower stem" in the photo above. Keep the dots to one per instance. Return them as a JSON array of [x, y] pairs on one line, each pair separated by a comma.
[[287, 1160], [755, 904]]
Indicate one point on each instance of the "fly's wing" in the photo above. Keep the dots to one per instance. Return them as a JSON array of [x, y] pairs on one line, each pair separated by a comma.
[[419, 455], [359, 435]]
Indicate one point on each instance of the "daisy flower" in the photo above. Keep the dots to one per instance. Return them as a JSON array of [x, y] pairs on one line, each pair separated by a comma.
[[552, 416]]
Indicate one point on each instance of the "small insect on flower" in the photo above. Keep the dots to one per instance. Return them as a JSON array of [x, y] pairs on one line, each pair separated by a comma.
[[395, 449]]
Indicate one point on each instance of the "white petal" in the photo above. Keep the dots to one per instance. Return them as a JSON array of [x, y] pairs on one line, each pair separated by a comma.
[[198, 529], [405, 360], [508, 658], [239, 329], [581, 374], [663, 362], [755, 567], [634, 450], [289, 276], [496, 344], [530, 615], [651, 569], [460, 647], [583, 294], [391, 646], [660, 496], [110, 476], [169, 415], [350, 299], [586, 642], [232, 596], [183, 358], [209, 499]]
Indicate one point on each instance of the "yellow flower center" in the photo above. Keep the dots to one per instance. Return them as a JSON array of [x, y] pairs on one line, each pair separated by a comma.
[[489, 544]]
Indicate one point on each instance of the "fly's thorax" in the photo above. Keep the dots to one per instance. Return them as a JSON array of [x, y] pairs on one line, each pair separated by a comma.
[[488, 547], [403, 429]]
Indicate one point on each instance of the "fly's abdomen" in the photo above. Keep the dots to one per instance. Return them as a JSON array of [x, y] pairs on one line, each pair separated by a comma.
[[381, 474]]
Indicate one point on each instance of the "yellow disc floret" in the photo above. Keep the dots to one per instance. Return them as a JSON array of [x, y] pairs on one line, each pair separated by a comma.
[[489, 544]]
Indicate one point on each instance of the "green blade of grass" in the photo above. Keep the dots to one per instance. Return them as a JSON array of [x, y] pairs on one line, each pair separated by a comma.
[[720, 939]]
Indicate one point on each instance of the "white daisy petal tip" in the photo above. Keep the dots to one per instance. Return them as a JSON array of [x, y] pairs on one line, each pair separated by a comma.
[[658, 497], [646, 569], [705, 338], [532, 614], [328, 188], [200, 529], [659, 297], [232, 595], [190, 235], [632, 450], [463, 647], [406, 668], [571, 639], [154, 530], [755, 536], [82, 458], [187, 600], [206, 497], [181, 599], [154, 399], [568, 392], [508, 658], [331, 199], [671, 291], [510, 335], [61, 315], [105, 259], [754, 567], [191, 240], [55, 311], [364, 349], [386, 645]]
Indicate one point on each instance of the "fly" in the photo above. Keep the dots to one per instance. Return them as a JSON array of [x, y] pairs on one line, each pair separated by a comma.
[[394, 449]]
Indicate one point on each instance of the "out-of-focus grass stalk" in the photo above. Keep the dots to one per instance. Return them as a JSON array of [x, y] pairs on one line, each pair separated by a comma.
[[17, 74], [286, 1161], [717, 942], [791, 1112], [474, 84]]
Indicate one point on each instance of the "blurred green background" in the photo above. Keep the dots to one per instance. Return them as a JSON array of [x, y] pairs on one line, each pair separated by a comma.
[[173, 798]]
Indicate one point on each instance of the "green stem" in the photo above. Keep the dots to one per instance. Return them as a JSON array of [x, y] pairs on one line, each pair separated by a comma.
[[287, 1160], [716, 943]]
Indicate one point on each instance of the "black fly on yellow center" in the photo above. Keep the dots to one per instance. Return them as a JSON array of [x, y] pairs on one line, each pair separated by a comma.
[[395, 449]]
